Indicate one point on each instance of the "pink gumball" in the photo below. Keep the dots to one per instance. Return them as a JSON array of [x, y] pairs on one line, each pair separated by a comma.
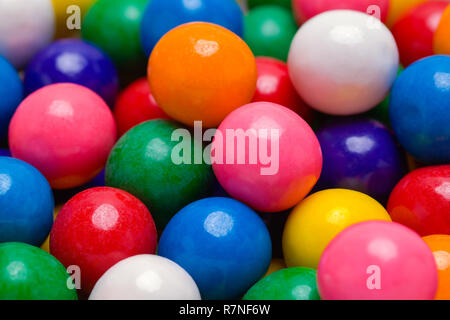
[[64, 130], [266, 156], [377, 260]]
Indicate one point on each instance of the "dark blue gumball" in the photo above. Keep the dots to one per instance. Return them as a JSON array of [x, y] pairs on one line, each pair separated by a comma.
[[223, 244], [26, 203], [5, 152], [74, 61], [163, 15]]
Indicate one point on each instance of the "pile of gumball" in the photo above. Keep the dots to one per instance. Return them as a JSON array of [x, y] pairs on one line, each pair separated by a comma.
[[182, 167]]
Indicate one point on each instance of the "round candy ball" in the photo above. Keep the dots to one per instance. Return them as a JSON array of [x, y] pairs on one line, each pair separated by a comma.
[[114, 26], [398, 8], [11, 91], [360, 154], [98, 228], [377, 260], [266, 156], [26, 203], [66, 131], [440, 245], [343, 62], [269, 31], [29, 273], [218, 66], [163, 15], [74, 61], [286, 284], [135, 105], [221, 243], [441, 44], [415, 30], [420, 100], [26, 26], [319, 218], [421, 200], [146, 162], [306, 9], [284, 3], [274, 85], [5, 152], [145, 277], [67, 16]]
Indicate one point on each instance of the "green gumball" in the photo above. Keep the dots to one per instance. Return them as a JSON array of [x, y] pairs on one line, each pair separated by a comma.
[[283, 3], [286, 284], [30, 273]]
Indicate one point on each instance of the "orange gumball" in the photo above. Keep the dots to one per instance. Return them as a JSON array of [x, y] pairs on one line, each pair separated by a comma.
[[440, 245], [442, 34], [201, 72]]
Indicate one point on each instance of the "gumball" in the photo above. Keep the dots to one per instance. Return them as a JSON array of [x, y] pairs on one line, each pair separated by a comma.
[[398, 8], [287, 284], [26, 26], [440, 245], [114, 25], [269, 31], [284, 170], [29, 273], [145, 163], [442, 34], [145, 277], [343, 62], [274, 85], [135, 105], [306, 9], [11, 91], [74, 61], [284, 3], [98, 228], [5, 152], [377, 260], [163, 15], [420, 100], [421, 201], [360, 154], [414, 32], [66, 16], [26, 203], [275, 265], [218, 66], [319, 218], [221, 243], [66, 131]]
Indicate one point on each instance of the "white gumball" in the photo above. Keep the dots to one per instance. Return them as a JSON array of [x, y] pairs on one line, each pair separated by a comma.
[[145, 277], [343, 62], [26, 26]]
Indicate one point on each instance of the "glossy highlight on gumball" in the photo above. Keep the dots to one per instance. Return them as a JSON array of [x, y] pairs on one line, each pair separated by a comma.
[[440, 245]]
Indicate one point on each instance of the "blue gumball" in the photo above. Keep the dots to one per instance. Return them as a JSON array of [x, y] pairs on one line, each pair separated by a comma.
[[420, 109], [223, 244], [11, 94], [26, 203], [74, 61], [163, 15]]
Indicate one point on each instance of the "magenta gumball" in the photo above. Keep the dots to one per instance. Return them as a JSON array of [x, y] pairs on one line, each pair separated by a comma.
[[377, 260], [267, 156], [64, 130]]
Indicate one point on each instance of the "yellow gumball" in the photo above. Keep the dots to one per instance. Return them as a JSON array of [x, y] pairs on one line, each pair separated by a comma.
[[46, 245], [63, 12], [397, 8], [275, 265], [319, 218]]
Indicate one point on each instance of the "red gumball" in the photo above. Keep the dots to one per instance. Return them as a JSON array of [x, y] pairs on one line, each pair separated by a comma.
[[98, 228], [421, 201], [414, 31], [274, 85], [136, 105]]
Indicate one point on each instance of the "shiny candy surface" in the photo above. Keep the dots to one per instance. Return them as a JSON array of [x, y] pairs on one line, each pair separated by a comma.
[[284, 170], [221, 243], [29, 273], [421, 200], [343, 62], [319, 218], [377, 260], [163, 15], [74, 61], [217, 64], [440, 245], [66, 131], [442, 34], [420, 100], [145, 277], [99, 227]]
